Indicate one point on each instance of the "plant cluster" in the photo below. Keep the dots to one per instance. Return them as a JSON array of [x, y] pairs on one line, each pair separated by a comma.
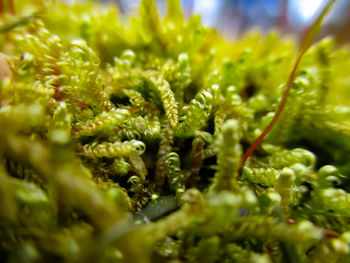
[[122, 140]]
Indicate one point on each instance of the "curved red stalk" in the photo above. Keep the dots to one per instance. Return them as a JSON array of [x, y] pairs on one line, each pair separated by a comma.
[[326, 232], [306, 42], [12, 7], [2, 8]]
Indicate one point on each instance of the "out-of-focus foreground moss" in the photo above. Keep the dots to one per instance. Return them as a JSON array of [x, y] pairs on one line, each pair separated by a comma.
[[121, 140]]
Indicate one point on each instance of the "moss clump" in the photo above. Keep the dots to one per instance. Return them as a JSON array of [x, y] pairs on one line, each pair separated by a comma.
[[122, 141]]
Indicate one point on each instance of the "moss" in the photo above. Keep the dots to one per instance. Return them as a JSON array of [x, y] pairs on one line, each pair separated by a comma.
[[122, 140]]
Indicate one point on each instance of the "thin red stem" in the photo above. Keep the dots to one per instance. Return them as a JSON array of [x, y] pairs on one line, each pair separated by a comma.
[[256, 143], [306, 42], [325, 231], [11, 5], [2, 7]]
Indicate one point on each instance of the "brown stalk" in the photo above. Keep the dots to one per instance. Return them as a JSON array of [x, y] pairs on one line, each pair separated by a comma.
[[306, 42]]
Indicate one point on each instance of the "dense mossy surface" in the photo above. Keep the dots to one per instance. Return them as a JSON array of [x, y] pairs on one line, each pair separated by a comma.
[[122, 140]]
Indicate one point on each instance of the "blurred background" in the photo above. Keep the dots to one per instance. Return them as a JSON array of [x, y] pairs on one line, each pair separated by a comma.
[[232, 17]]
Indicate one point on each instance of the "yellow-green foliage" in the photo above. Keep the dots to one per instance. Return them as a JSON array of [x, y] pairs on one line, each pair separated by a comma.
[[121, 140]]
